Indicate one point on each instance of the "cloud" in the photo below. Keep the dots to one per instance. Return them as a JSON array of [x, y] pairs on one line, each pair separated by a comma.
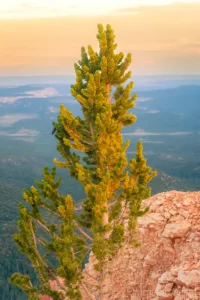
[[141, 132], [25, 135], [148, 152], [179, 133], [143, 99], [24, 139], [25, 8], [151, 142], [141, 107], [10, 119], [53, 109], [20, 133], [67, 100], [8, 100], [160, 7], [44, 93], [31, 6], [25, 132], [153, 111], [7, 11]]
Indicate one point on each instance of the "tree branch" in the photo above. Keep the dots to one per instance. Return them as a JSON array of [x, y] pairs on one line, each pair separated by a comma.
[[122, 213], [45, 228], [62, 288], [108, 91], [91, 130], [41, 242], [33, 235], [85, 130], [72, 251], [41, 224], [88, 247], [36, 249], [86, 272], [112, 203], [87, 292], [91, 283], [88, 143], [47, 208], [83, 232]]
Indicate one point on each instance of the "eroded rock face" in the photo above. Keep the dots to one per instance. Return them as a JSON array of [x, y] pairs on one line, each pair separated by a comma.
[[176, 230], [167, 264]]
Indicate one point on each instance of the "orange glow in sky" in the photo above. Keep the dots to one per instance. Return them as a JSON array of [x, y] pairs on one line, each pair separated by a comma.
[[44, 37]]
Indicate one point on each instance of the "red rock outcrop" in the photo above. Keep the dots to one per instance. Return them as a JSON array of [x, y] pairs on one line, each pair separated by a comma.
[[167, 264]]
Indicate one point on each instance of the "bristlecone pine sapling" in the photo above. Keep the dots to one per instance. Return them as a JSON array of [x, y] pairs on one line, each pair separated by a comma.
[[54, 237]]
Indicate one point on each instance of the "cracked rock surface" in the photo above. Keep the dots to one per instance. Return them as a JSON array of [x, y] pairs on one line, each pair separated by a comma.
[[167, 264]]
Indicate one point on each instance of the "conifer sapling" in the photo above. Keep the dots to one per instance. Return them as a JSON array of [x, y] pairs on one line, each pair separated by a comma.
[[54, 237]]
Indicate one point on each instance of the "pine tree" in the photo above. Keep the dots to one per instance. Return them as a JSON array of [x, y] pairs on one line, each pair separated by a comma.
[[54, 237]]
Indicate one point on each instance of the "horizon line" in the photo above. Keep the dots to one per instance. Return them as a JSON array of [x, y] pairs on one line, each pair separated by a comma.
[[73, 75]]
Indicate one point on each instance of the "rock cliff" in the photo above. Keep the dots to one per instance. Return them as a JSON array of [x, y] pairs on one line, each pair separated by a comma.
[[167, 264]]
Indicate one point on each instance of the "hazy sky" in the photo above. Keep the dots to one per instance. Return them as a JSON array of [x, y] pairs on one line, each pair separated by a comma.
[[44, 37]]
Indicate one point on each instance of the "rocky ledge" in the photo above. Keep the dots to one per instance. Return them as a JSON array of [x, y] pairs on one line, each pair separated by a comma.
[[167, 264]]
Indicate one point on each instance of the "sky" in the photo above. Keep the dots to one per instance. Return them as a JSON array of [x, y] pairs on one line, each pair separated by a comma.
[[44, 37]]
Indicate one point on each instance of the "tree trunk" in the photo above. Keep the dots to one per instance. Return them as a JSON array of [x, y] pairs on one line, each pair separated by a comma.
[[104, 282], [104, 277], [105, 221]]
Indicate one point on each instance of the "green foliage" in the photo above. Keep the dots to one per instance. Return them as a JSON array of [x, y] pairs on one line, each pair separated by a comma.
[[38, 238], [95, 154]]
